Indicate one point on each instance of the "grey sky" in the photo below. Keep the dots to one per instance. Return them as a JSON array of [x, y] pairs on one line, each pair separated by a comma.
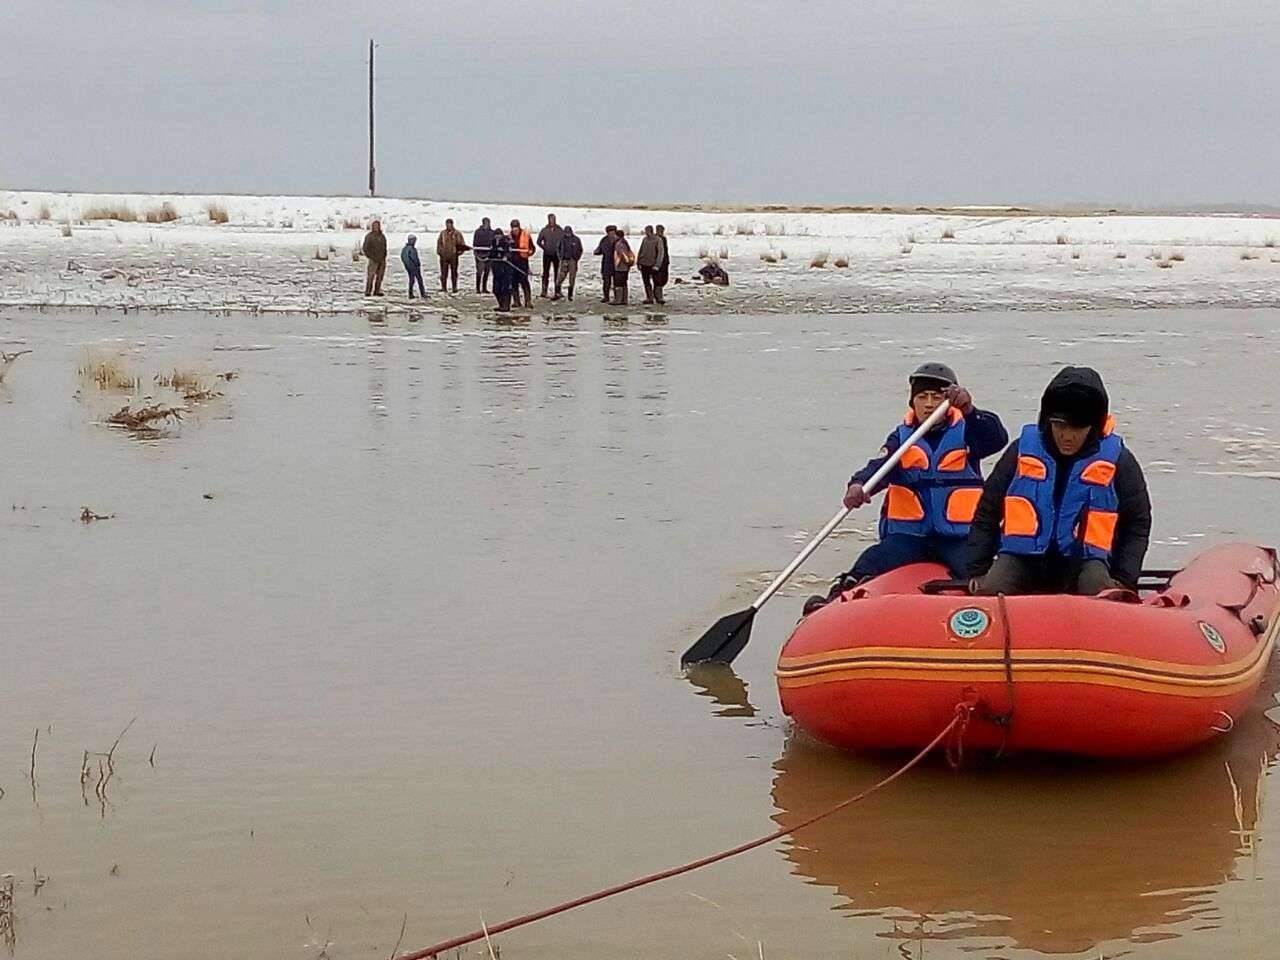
[[834, 101]]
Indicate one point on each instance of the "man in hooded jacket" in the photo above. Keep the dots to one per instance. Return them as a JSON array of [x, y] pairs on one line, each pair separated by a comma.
[[1066, 508], [413, 265]]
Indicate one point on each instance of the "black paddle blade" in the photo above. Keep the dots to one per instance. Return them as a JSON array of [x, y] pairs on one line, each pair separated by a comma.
[[723, 641]]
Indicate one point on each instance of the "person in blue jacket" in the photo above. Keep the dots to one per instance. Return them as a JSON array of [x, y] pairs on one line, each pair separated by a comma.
[[931, 495], [412, 265]]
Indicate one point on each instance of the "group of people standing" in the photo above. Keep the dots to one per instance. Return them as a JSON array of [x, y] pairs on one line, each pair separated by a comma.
[[505, 261]]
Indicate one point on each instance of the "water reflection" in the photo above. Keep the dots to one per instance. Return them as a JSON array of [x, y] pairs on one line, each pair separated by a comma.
[[723, 687], [1057, 857]]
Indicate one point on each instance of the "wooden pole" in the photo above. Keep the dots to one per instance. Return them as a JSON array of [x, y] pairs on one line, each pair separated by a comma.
[[372, 172]]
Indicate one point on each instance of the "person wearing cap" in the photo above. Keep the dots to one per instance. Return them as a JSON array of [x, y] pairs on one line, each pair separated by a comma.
[[1066, 509], [931, 494]]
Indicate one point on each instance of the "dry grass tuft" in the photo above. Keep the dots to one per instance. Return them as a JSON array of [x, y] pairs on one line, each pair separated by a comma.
[[44, 212], [1062, 239], [180, 379], [911, 238], [1120, 255], [107, 212], [782, 254], [8, 215], [1177, 256], [108, 372], [165, 213], [66, 229], [1076, 253], [905, 248], [744, 229], [143, 418], [1248, 255], [352, 223], [948, 234], [1269, 242], [842, 262], [321, 254], [724, 253], [704, 252], [819, 260], [769, 257], [773, 229], [1164, 264], [217, 213]]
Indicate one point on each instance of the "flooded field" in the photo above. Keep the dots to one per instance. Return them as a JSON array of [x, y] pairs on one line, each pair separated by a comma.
[[384, 630]]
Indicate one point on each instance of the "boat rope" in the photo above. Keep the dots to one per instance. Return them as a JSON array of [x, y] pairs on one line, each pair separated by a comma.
[[958, 721]]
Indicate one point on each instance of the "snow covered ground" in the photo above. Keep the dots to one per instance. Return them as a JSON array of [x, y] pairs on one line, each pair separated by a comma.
[[295, 253]]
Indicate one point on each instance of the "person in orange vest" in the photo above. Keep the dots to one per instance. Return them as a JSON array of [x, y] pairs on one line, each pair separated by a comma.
[[931, 495], [1066, 509], [522, 247]]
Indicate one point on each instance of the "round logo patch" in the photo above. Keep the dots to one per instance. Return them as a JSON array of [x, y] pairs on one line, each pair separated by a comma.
[[969, 623], [1211, 634]]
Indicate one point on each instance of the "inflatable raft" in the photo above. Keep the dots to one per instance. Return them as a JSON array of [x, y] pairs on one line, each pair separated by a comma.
[[887, 665]]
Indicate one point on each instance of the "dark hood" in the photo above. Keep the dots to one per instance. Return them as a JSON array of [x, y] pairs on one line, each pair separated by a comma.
[[1076, 389]]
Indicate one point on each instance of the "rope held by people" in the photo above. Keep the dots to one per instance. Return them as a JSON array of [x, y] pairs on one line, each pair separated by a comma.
[[959, 720]]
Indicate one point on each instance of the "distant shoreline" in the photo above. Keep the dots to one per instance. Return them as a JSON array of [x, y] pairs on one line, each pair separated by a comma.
[[1261, 210]]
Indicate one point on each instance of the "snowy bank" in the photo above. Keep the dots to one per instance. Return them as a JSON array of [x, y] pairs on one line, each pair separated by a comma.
[[296, 253]]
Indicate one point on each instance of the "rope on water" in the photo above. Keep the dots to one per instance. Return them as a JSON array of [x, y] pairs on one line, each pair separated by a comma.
[[958, 721]]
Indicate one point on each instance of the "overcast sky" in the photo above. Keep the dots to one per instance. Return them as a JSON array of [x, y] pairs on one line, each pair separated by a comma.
[[1146, 102]]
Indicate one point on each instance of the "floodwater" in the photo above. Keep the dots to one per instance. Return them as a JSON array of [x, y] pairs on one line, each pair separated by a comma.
[[398, 617]]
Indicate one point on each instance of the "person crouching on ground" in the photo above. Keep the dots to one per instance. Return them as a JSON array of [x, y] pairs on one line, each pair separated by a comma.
[[412, 265], [932, 492], [1066, 509]]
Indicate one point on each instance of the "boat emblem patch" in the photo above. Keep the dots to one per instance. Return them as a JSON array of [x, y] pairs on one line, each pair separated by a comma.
[[969, 623], [1211, 634]]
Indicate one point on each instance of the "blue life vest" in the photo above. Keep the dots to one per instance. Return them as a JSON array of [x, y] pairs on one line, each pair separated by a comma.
[[932, 493], [1083, 526]]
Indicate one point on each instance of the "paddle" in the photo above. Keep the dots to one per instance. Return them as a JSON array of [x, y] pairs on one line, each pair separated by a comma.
[[730, 634]]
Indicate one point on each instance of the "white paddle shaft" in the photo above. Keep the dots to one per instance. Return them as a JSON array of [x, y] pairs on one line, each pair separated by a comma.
[[885, 469]]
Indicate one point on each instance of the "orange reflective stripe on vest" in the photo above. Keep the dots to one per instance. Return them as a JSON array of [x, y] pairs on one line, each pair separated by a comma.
[[901, 503], [963, 504], [1020, 518], [1032, 467], [1100, 529], [955, 460], [1099, 472], [914, 459]]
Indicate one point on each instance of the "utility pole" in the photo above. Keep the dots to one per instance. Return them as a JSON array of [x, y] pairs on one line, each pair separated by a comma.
[[373, 183]]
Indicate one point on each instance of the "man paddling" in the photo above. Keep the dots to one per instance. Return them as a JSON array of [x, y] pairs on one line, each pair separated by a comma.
[[1066, 509], [931, 494]]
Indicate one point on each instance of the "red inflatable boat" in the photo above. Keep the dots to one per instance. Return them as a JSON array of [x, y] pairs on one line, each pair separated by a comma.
[[886, 665]]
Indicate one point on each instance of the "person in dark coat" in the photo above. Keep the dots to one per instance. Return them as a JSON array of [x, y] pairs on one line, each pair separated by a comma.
[[570, 254], [1066, 509], [623, 261], [375, 250], [413, 265], [604, 250], [549, 239], [498, 258], [647, 258], [662, 274], [714, 274], [480, 242], [931, 494]]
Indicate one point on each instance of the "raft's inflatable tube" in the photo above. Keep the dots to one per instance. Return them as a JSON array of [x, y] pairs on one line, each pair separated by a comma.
[[886, 665]]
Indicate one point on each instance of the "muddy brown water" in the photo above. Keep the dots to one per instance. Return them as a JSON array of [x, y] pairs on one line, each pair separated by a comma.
[[414, 655]]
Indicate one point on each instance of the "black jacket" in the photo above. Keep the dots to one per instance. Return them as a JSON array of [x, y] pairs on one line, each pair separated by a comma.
[[1133, 528], [571, 247], [481, 239], [604, 250]]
